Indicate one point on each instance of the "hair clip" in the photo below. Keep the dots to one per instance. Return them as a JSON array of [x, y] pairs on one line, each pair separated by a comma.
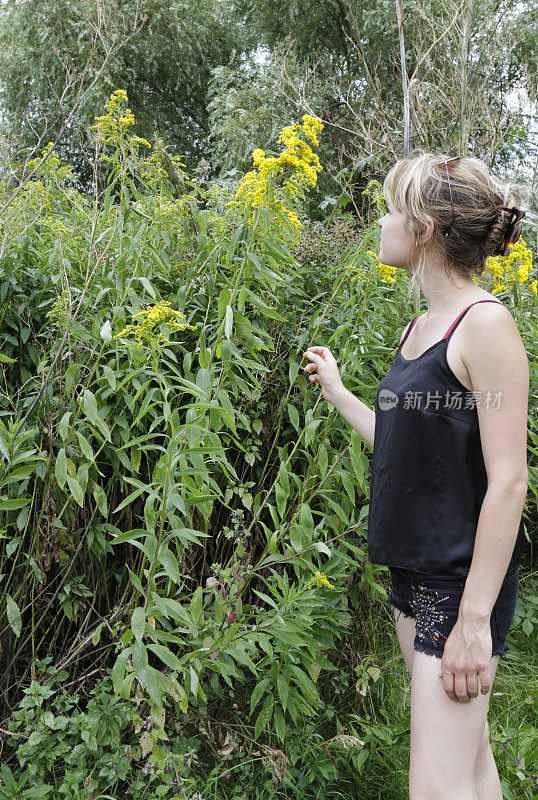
[[513, 232], [452, 162]]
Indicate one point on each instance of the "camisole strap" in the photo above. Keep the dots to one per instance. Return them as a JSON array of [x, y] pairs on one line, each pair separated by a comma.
[[465, 310], [410, 328]]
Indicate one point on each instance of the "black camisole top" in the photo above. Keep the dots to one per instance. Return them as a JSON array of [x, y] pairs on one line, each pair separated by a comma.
[[428, 477]]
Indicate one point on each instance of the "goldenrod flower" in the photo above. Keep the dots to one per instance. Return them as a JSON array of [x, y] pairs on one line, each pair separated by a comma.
[[52, 167], [257, 187], [112, 127], [152, 319], [515, 267], [375, 191], [320, 579], [386, 272]]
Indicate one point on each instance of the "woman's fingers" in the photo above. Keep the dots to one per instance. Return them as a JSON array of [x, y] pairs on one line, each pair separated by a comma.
[[324, 370]]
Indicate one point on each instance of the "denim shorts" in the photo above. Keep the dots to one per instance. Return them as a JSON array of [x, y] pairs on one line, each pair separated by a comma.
[[434, 600]]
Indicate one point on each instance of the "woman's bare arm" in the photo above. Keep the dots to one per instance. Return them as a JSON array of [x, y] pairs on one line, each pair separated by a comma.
[[360, 416]]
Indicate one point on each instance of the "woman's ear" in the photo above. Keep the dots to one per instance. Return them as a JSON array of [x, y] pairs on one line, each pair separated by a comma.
[[427, 230]]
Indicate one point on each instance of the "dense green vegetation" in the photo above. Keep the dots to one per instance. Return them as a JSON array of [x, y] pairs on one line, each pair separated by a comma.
[[186, 603]]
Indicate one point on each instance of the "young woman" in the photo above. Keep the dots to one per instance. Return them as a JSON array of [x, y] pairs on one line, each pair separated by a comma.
[[449, 466]]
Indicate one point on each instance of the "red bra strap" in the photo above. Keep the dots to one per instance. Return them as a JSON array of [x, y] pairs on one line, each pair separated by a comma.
[[465, 311]]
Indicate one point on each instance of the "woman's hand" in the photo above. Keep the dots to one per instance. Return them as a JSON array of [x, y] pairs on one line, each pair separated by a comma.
[[324, 371], [465, 666]]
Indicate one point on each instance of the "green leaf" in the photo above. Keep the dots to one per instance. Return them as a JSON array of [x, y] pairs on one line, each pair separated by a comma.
[[258, 303], [196, 605], [62, 425], [203, 380], [97, 633], [10, 505], [281, 499], [307, 685], [195, 682], [100, 498], [43, 790], [264, 716], [323, 459], [60, 468], [294, 371], [294, 416], [90, 406], [311, 430], [138, 622], [349, 486], [136, 583], [280, 724], [166, 656], [283, 478], [358, 466], [129, 536], [103, 427], [233, 242], [283, 689], [85, 446], [14, 615], [169, 564], [259, 689], [239, 654], [286, 636], [72, 376], [75, 489], [129, 499], [223, 302], [306, 524], [110, 376], [6, 359]]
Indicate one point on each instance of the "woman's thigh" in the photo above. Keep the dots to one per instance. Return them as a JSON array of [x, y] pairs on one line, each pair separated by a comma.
[[445, 734], [406, 632]]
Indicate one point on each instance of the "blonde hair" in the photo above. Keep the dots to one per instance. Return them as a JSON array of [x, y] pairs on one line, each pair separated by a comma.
[[419, 187]]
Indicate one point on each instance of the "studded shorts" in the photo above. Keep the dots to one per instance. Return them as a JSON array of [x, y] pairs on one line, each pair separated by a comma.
[[434, 603]]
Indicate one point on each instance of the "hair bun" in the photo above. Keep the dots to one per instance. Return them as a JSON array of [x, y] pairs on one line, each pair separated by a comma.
[[512, 231]]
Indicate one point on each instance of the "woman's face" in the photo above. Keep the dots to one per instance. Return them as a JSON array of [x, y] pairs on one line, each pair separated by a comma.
[[397, 241]]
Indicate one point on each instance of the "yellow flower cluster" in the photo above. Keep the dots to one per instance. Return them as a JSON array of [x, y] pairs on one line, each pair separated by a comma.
[[52, 167], [386, 272], [257, 189], [374, 190], [152, 318], [113, 126], [320, 579], [516, 266]]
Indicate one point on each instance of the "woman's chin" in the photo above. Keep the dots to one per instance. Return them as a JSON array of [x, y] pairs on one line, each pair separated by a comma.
[[390, 262], [384, 260]]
